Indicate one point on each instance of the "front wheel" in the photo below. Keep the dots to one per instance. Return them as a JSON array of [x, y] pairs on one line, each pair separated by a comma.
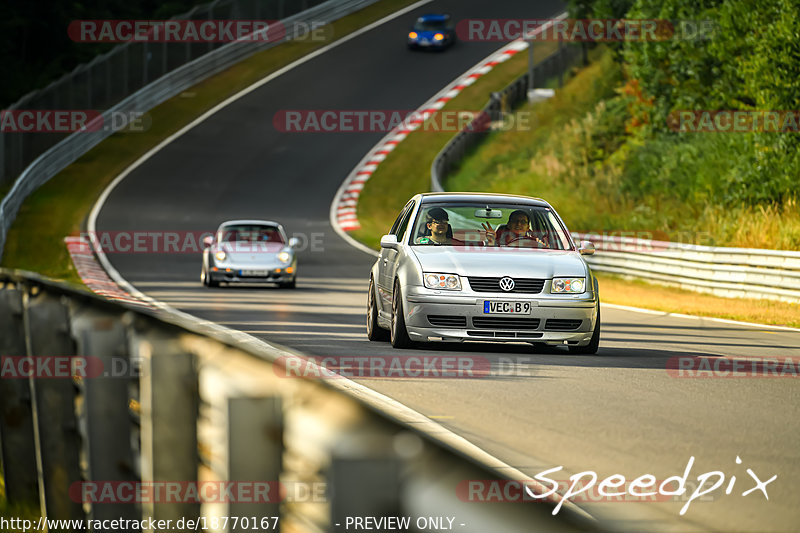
[[374, 331], [398, 334], [288, 284], [594, 344], [206, 278]]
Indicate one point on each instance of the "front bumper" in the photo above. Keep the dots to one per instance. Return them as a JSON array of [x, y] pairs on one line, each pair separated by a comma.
[[253, 274], [553, 319]]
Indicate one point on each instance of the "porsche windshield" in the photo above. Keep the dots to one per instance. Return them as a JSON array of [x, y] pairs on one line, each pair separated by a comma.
[[500, 225], [250, 233]]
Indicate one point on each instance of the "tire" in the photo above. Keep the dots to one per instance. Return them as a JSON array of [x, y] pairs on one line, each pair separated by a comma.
[[594, 344], [398, 334], [207, 280], [374, 331], [289, 284]]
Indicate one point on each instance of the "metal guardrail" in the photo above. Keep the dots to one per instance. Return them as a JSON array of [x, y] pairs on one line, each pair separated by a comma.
[[169, 84], [123, 70], [207, 405], [729, 272]]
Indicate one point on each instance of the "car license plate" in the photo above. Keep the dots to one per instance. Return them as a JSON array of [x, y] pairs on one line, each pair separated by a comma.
[[255, 273], [493, 307]]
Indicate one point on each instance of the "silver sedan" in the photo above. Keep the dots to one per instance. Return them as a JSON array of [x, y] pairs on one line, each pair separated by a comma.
[[249, 251], [468, 266]]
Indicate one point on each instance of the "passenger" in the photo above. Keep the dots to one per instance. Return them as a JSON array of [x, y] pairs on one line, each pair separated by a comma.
[[518, 228]]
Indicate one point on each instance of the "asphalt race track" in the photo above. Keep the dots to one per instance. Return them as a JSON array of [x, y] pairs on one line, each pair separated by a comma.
[[619, 412]]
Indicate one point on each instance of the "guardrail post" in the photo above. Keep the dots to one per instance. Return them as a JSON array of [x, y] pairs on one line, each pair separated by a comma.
[[168, 389], [102, 341], [16, 414], [255, 452], [362, 486], [55, 425]]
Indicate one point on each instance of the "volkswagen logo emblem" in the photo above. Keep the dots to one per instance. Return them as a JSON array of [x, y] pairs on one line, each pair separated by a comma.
[[507, 284]]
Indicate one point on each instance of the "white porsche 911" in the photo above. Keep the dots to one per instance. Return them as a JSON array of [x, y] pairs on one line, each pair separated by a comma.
[[249, 251]]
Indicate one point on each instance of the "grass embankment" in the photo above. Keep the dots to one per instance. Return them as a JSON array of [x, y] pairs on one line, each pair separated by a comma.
[[57, 209], [532, 163], [582, 158]]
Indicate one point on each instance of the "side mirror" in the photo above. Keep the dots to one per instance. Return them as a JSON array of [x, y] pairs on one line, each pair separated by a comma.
[[389, 241], [208, 241], [294, 242], [586, 248]]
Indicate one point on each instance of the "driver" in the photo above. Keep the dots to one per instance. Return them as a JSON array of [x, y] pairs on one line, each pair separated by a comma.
[[518, 227], [438, 224]]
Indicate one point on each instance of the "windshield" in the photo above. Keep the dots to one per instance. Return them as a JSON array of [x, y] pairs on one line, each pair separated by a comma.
[[496, 225], [430, 25], [251, 233]]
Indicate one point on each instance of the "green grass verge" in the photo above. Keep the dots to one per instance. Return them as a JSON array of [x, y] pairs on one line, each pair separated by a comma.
[[59, 208]]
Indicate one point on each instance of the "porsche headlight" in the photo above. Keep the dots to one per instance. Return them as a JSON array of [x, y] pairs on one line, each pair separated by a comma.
[[438, 37], [284, 257], [571, 285], [220, 256], [450, 282]]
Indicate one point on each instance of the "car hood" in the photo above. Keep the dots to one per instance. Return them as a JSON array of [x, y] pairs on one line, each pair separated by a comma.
[[495, 262], [258, 253]]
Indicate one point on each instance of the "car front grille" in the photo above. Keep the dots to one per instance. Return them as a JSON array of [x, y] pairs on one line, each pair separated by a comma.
[[521, 285], [505, 334], [561, 324], [502, 322], [448, 321]]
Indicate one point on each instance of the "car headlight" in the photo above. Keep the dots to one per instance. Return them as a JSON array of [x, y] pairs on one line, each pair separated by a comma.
[[574, 285], [220, 256], [450, 282], [412, 35], [438, 37], [284, 257]]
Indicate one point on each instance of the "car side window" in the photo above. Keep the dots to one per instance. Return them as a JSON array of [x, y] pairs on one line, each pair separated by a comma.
[[397, 221], [401, 228]]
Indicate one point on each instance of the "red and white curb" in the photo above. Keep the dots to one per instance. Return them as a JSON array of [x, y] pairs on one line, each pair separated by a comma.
[[93, 275], [344, 215]]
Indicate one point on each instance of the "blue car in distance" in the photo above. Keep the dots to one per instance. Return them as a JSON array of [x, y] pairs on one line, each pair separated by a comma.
[[431, 31]]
